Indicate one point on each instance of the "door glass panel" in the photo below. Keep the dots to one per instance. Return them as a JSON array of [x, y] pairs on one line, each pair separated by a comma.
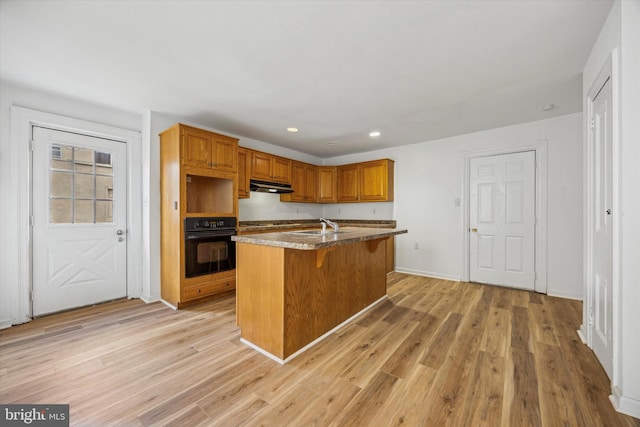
[[60, 211], [81, 185], [104, 211], [61, 184], [83, 211], [104, 187]]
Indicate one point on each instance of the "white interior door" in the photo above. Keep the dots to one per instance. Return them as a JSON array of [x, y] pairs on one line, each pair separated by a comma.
[[502, 220], [601, 281], [79, 220]]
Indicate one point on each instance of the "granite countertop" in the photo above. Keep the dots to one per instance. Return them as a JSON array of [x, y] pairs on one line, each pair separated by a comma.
[[275, 225], [295, 240]]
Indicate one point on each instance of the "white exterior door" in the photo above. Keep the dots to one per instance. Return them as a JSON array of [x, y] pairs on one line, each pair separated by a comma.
[[79, 220], [502, 220], [601, 280]]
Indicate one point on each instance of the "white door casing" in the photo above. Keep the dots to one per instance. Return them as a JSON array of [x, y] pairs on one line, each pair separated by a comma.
[[79, 220], [600, 303], [502, 220]]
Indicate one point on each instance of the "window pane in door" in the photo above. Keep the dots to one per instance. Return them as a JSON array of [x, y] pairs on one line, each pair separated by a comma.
[[104, 211], [60, 211], [81, 185], [83, 211], [61, 184], [104, 187]]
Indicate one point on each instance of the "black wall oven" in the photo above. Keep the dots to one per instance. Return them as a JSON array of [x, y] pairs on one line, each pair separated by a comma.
[[208, 246]]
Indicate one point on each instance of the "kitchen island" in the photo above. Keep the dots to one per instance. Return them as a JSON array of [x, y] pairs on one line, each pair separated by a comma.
[[294, 288]]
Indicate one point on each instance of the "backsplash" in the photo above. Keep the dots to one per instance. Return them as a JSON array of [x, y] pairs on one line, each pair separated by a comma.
[[264, 206]]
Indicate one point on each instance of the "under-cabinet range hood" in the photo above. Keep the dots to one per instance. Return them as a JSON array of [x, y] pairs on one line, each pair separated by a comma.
[[270, 187]]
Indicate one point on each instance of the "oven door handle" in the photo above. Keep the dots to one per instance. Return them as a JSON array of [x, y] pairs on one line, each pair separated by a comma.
[[206, 235]]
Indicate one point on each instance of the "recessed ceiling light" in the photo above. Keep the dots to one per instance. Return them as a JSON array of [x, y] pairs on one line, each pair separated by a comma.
[[548, 107], [374, 133], [292, 129]]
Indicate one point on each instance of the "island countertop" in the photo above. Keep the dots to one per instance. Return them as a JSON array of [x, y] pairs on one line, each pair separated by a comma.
[[302, 241]]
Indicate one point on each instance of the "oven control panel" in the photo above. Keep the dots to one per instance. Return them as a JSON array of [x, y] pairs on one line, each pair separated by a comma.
[[209, 223]]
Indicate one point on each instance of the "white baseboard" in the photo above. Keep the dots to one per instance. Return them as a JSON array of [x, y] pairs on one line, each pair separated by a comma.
[[561, 294], [5, 323], [150, 298], [167, 304], [623, 404], [582, 334], [428, 274]]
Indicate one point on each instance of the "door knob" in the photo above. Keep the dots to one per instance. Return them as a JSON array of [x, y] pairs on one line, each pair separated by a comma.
[[474, 230], [119, 232], [608, 211]]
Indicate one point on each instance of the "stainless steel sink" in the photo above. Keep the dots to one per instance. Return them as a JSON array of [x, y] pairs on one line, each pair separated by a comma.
[[316, 232]]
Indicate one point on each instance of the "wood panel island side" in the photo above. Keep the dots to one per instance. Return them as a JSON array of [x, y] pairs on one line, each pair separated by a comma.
[[294, 288]]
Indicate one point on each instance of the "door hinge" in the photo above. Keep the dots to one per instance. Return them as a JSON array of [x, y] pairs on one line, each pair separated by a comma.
[[32, 145], [31, 221], [31, 295]]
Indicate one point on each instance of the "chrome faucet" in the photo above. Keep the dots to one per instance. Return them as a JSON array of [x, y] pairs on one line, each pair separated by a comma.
[[333, 225]]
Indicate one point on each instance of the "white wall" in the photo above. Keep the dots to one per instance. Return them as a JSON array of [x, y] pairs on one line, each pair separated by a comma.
[[621, 31], [629, 400], [10, 174], [428, 179]]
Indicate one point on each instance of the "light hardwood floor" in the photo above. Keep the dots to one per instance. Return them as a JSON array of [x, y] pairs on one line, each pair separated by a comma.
[[436, 353]]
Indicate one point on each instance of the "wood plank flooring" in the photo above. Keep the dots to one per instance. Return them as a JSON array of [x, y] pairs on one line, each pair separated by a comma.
[[436, 353]]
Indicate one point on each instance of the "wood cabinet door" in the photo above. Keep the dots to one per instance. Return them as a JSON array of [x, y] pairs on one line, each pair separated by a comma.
[[327, 184], [260, 166], [348, 183], [281, 170], [311, 184], [196, 148], [224, 153], [374, 183], [298, 182], [243, 173]]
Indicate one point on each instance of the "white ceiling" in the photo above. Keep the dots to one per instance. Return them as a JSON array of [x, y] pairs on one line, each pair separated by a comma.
[[414, 70]]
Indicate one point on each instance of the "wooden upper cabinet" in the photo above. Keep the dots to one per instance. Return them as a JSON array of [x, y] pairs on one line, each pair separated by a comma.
[[196, 147], [327, 184], [357, 182], [366, 182], [303, 182], [376, 181], [348, 185], [225, 153], [243, 172], [267, 167], [311, 184], [204, 149]]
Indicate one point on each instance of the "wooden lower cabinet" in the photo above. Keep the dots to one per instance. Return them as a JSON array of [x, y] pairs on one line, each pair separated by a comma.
[[287, 298], [210, 284], [391, 254]]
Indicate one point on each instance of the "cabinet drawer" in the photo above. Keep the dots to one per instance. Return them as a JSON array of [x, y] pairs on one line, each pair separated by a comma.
[[209, 288]]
